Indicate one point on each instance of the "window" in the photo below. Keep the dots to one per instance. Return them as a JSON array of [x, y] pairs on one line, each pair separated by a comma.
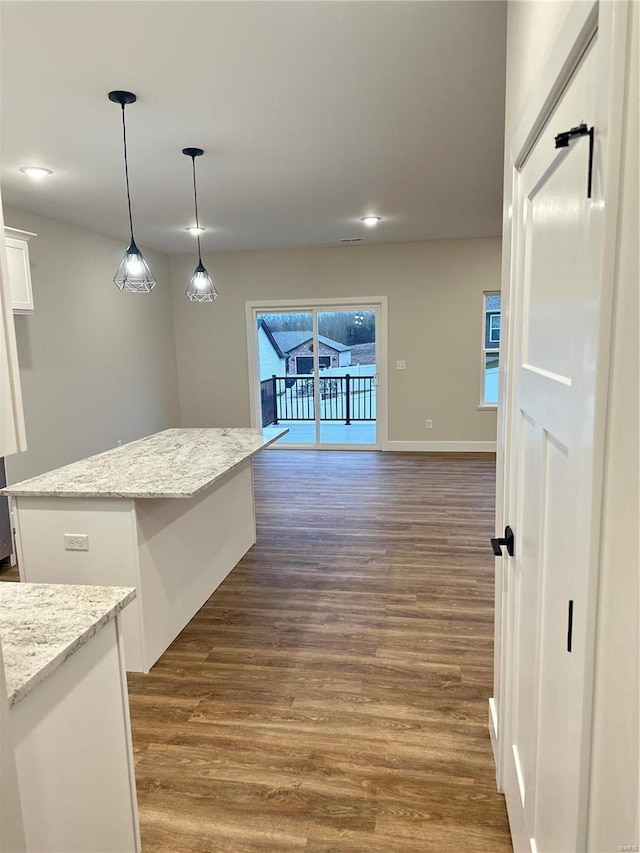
[[490, 348], [494, 328]]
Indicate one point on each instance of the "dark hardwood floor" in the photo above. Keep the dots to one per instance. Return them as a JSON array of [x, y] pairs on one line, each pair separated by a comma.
[[332, 694]]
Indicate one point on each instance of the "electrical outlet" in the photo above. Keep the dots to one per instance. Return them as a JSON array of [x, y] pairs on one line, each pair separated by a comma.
[[76, 542], [401, 364], [429, 424]]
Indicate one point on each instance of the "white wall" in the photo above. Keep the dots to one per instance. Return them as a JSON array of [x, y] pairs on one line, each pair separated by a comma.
[[614, 818], [532, 30], [435, 324], [96, 365]]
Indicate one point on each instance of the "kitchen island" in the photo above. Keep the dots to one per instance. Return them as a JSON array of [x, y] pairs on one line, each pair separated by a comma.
[[69, 716], [170, 515]]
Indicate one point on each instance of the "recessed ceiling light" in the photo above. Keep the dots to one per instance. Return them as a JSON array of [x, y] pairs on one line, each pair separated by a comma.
[[36, 172], [371, 220], [195, 230]]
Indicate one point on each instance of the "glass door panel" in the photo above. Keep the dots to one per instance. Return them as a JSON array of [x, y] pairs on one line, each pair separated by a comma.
[[346, 352], [286, 362]]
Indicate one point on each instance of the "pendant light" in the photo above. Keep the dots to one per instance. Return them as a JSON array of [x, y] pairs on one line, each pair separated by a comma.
[[201, 287], [133, 275]]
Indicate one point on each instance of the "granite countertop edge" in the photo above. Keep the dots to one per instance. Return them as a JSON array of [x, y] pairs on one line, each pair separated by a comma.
[[123, 494], [28, 685]]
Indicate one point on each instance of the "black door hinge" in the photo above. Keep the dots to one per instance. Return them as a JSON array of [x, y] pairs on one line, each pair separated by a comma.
[[564, 139]]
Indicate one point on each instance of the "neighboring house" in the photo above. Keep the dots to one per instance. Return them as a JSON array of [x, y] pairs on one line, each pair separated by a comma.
[[298, 349], [272, 359]]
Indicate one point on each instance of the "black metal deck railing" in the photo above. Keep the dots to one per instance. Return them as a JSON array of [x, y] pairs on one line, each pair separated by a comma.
[[341, 398]]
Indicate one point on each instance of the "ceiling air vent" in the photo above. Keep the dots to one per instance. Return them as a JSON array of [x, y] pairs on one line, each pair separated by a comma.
[[352, 240]]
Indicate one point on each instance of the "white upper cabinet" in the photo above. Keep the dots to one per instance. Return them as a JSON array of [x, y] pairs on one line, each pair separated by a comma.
[[19, 269]]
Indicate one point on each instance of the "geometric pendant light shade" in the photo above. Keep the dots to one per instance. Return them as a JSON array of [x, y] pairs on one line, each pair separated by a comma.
[[133, 275], [201, 287]]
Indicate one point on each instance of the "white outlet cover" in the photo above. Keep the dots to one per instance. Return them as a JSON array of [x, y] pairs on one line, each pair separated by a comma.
[[76, 542], [401, 364]]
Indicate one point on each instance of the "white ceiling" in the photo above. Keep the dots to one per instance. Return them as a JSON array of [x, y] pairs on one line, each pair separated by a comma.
[[311, 114]]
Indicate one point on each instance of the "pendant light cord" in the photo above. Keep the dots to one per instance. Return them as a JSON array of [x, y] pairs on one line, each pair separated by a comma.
[[126, 171], [195, 201]]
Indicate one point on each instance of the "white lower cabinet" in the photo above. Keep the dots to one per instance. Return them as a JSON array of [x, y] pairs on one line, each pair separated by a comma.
[[73, 754]]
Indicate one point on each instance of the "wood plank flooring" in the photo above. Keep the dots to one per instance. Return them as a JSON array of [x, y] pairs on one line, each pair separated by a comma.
[[331, 696]]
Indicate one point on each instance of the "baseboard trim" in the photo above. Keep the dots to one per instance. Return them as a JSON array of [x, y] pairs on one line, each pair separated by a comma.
[[443, 446]]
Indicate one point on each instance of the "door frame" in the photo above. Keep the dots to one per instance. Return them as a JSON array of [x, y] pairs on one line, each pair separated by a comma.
[[610, 21], [264, 306]]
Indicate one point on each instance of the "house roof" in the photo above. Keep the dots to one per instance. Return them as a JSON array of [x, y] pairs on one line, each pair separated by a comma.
[[288, 341], [363, 353]]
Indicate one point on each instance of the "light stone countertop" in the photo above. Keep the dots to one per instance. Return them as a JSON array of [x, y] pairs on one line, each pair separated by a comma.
[[43, 624], [176, 463]]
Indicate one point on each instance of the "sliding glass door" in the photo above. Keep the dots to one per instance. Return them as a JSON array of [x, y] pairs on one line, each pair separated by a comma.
[[318, 377]]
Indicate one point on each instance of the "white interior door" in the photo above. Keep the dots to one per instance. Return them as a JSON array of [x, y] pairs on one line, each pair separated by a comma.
[[552, 465]]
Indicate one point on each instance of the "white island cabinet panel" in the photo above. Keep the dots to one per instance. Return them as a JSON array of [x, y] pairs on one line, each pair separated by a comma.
[[186, 549]]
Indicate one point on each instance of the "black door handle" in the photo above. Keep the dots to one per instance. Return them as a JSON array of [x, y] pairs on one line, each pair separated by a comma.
[[509, 541]]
